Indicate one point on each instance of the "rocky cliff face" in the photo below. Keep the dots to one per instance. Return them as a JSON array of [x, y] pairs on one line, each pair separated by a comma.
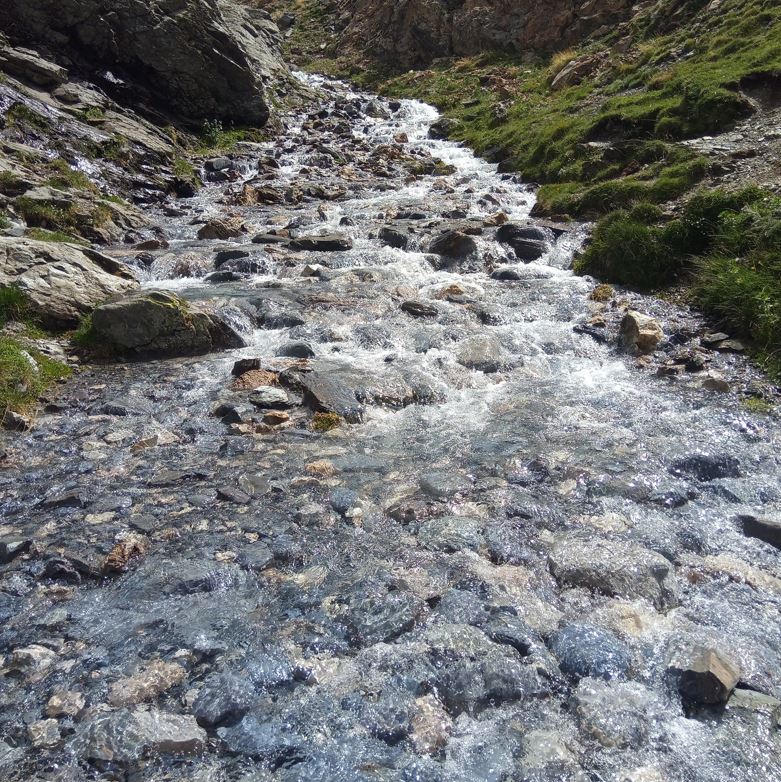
[[412, 33], [200, 59]]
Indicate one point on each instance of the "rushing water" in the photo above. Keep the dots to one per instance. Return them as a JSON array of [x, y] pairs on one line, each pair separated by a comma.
[[420, 595]]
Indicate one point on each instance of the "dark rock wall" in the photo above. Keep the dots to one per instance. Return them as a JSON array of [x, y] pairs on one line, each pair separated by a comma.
[[199, 59]]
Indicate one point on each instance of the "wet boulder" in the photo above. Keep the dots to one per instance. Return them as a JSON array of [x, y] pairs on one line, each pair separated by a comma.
[[146, 684], [614, 568], [61, 282], [483, 353], [296, 350], [528, 241], [469, 671], [270, 740], [619, 714], [451, 533], [223, 697], [323, 243], [124, 736], [706, 467], [375, 619], [639, 333], [587, 651], [442, 128], [325, 392], [391, 236], [160, 323], [270, 398], [453, 244], [220, 229]]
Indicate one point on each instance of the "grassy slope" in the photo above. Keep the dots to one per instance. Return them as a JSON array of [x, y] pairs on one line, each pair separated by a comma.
[[25, 373], [608, 148]]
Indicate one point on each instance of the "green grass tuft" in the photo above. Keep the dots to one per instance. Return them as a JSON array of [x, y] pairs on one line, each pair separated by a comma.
[[43, 235], [25, 374], [13, 304]]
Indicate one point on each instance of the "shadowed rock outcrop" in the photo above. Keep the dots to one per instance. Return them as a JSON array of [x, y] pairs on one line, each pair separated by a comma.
[[203, 59], [412, 33]]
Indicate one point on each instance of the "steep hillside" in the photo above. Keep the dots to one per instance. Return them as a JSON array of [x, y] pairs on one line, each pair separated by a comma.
[[622, 120]]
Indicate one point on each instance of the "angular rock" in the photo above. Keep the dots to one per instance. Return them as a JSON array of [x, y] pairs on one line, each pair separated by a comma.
[[442, 128], [419, 309], [639, 333], [270, 398], [34, 662], [65, 704], [232, 494], [244, 365], [61, 282], [30, 66], [705, 676], [44, 734], [220, 229], [393, 237], [159, 323]]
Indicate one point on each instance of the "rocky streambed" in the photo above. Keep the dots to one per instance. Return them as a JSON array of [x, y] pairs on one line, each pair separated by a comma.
[[434, 517]]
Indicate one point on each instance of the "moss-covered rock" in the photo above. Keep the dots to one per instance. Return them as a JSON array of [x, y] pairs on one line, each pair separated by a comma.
[[150, 323]]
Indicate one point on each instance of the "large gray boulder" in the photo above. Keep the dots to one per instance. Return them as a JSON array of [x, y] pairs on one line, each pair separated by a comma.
[[61, 282], [203, 59], [150, 323]]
